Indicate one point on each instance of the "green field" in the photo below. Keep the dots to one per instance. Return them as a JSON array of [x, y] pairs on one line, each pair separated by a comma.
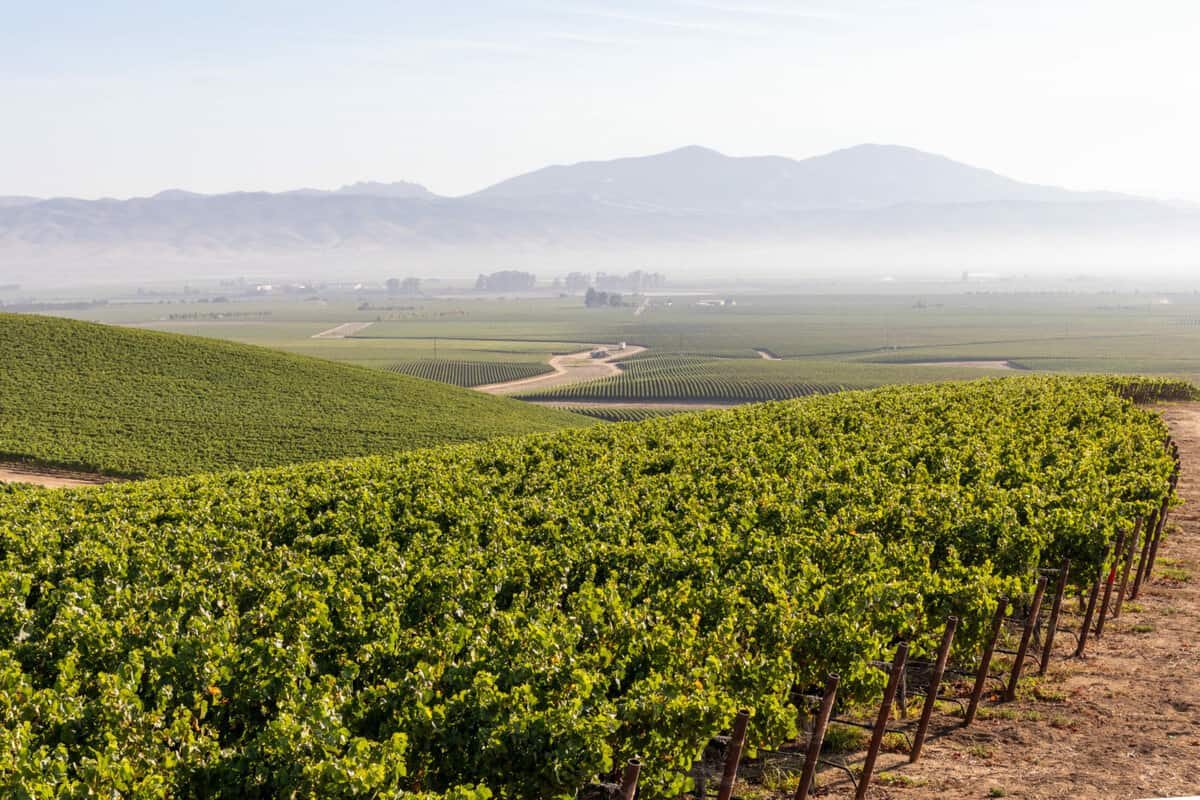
[[823, 341], [516, 618], [141, 403], [657, 377], [469, 373], [622, 414]]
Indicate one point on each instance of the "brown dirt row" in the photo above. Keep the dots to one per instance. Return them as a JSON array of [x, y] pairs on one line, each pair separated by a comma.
[[50, 477]]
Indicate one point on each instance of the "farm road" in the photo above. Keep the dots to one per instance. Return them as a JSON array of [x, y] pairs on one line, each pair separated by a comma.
[[343, 330], [569, 368]]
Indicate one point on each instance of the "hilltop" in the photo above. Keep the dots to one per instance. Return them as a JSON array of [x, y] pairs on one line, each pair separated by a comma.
[[142, 403]]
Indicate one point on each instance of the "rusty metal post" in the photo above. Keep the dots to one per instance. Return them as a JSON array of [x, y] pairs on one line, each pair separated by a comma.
[[1162, 522], [1108, 583], [1031, 622], [1064, 569], [1151, 526], [629, 778], [817, 738], [733, 755], [935, 683], [885, 711], [986, 662], [1133, 543]]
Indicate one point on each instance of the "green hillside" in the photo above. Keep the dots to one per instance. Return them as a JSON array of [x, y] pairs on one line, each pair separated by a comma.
[[142, 403], [515, 618]]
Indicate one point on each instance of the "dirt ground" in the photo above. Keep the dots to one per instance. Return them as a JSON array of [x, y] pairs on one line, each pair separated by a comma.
[[569, 368], [50, 477], [972, 364], [343, 330], [699, 405], [1124, 722]]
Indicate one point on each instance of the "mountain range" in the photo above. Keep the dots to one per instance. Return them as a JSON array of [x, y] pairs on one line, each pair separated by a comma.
[[684, 208]]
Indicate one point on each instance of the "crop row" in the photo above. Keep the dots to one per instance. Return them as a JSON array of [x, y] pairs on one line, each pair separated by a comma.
[[621, 414], [469, 373], [516, 617], [621, 388], [689, 377]]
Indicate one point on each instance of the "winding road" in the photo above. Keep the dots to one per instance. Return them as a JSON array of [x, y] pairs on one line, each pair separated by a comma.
[[568, 368]]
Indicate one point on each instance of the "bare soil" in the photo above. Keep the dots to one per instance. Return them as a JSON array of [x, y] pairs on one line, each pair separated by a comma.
[[569, 368], [342, 331], [50, 477], [699, 405], [1123, 722], [971, 364]]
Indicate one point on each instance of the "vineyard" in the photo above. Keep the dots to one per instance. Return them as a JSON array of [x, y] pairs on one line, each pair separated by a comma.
[[690, 378], [469, 373], [621, 414], [134, 403], [516, 618]]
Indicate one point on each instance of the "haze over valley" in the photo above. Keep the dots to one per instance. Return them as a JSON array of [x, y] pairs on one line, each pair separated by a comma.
[[869, 209]]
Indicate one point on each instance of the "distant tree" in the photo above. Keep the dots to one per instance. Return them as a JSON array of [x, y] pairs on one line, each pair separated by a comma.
[[577, 281], [509, 280], [636, 281], [595, 299]]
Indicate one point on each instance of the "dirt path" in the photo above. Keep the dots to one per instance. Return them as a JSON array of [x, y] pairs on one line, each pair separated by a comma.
[[1122, 723], [768, 355], [343, 330], [50, 477], [699, 405], [569, 368], [971, 364]]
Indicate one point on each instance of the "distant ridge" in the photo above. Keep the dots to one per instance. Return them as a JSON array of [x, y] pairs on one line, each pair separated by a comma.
[[695, 178], [693, 203], [398, 189]]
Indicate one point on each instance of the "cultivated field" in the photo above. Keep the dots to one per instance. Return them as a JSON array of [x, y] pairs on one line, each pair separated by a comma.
[[518, 618], [715, 354], [140, 403]]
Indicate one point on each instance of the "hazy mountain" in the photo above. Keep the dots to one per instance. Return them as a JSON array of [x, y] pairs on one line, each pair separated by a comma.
[[9, 202], [399, 189], [867, 205], [698, 179]]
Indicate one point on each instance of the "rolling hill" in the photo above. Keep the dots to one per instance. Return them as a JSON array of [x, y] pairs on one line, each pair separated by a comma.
[[140, 403]]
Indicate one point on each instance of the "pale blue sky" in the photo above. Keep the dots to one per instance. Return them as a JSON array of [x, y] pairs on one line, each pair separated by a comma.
[[114, 97]]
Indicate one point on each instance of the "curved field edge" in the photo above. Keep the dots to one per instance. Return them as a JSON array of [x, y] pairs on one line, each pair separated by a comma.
[[135, 403], [517, 616]]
